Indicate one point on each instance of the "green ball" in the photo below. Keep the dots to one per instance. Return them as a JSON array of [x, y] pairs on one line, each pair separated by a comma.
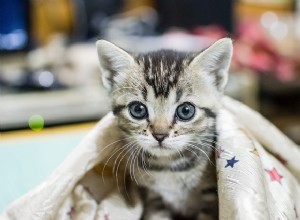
[[36, 122]]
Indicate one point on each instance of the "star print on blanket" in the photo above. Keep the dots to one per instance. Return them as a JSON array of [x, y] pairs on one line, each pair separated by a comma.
[[245, 170], [231, 162], [274, 175]]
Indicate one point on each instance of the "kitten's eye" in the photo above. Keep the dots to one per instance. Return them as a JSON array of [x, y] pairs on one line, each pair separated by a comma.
[[138, 110], [185, 111]]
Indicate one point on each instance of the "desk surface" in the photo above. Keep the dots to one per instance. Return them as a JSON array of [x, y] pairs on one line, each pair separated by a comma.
[[27, 158]]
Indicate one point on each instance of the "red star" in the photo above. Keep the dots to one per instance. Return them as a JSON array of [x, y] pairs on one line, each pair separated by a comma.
[[275, 176]]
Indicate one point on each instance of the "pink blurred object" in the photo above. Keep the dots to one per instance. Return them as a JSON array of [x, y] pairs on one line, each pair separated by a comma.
[[285, 70], [213, 32], [252, 49], [255, 51], [260, 61]]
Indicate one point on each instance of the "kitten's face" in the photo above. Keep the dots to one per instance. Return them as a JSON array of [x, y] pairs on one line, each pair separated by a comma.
[[165, 100]]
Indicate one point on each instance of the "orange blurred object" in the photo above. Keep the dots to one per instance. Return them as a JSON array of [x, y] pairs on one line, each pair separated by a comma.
[[50, 17]]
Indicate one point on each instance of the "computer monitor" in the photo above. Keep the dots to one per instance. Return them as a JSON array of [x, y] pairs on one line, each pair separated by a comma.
[[14, 26]]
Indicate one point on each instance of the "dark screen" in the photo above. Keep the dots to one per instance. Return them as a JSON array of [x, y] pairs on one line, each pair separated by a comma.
[[193, 13]]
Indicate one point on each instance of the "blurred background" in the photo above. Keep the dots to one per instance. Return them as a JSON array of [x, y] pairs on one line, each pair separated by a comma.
[[51, 92]]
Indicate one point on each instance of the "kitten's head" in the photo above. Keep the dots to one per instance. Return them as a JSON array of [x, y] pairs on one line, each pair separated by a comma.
[[165, 100]]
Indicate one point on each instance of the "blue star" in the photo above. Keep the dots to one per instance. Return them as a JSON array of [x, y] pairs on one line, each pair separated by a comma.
[[231, 162]]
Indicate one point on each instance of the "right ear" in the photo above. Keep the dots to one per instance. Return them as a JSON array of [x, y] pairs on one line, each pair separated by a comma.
[[115, 63]]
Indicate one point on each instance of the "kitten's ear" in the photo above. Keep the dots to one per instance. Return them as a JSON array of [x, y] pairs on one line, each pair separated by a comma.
[[115, 63], [215, 62]]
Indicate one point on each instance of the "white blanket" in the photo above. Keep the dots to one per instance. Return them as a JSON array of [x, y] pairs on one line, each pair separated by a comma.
[[258, 170]]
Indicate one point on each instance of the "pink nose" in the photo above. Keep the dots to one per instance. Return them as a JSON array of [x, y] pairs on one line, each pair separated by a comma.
[[160, 137]]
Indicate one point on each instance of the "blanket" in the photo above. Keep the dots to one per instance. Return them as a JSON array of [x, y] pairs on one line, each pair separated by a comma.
[[258, 174]]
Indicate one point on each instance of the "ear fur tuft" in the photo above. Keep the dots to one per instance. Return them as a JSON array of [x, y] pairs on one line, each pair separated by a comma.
[[215, 62], [114, 62]]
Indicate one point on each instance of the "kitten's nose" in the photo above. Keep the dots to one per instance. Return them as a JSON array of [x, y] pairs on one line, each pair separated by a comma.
[[160, 137]]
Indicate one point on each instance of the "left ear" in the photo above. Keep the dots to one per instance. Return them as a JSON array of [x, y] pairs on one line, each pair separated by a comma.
[[215, 62], [114, 63]]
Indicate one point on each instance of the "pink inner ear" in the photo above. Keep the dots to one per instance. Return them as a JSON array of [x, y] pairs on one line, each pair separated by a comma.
[[215, 61], [113, 61]]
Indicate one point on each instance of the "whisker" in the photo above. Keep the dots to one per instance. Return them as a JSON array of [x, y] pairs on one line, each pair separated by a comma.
[[197, 148], [119, 161], [125, 147], [144, 163], [125, 170], [110, 144], [102, 173], [133, 165], [203, 144], [130, 165]]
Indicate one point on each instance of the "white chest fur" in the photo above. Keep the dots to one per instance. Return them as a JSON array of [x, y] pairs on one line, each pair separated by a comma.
[[179, 190]]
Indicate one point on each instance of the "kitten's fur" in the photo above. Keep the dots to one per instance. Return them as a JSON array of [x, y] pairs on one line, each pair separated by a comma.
[[178, 175]]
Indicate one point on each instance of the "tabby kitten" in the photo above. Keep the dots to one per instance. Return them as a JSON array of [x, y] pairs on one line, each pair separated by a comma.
[[166, 104]]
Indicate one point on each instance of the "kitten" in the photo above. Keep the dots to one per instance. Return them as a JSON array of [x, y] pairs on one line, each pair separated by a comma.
[[166, 104]]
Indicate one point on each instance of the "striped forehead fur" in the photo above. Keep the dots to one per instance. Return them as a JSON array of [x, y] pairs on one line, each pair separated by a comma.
[[162, 69]]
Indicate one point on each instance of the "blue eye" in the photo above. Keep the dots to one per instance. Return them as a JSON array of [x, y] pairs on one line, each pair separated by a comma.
[[138, 110], [185, 111]]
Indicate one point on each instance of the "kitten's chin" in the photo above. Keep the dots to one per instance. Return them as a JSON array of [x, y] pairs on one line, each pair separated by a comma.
[[160, 151], [166, 148]]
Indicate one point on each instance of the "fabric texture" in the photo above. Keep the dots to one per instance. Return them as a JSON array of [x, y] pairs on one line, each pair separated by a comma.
[[258, 173]]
